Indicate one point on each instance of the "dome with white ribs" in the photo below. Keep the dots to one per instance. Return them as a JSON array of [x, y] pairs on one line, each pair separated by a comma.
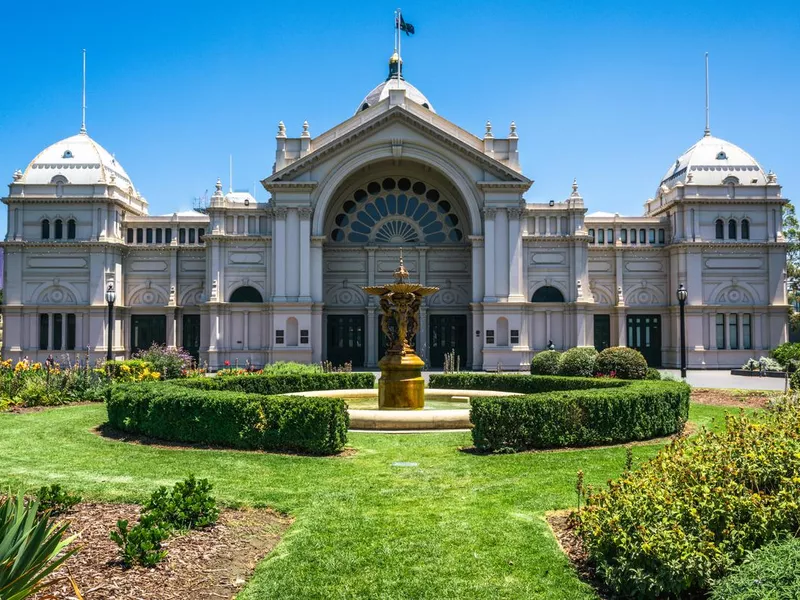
[[394, 81], [713, 161]]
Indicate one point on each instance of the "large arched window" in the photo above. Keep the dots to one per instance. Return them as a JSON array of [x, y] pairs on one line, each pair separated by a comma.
[[746, 229], [71, 229], [719, 227], [397, 211], [46, 229], [59, 229], [547, 293], [732, 229], [246, 293]]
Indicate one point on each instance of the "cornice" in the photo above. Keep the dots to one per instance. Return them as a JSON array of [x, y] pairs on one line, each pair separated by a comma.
[[511, 186], [62, 244], [295, 186]]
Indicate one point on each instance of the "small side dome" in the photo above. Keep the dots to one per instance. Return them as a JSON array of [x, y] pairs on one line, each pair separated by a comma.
[[714, 161], [394, 81], [80, 160]]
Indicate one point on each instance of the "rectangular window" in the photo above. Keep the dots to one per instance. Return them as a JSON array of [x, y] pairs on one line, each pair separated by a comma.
[[130, 236], [661, 237], [633, 236], [542, 226], [623, 236], [58, 321], [601, 236], [553, 225], [181, 235], [652, 236], [515, 336], [71, 331], [591, 236], [733, 329], [139, 235], [192, 233], [642, 238], [279, 336], [149, 235], [44, 331], [490, 336], [747, 333], [159, 236], [609, 236], [168, 235], [200, 233], [721, 332], [304, 336]]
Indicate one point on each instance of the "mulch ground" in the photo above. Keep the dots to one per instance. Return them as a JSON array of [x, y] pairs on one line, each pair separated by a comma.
[[210, 563], [560, 525], [734, 398]]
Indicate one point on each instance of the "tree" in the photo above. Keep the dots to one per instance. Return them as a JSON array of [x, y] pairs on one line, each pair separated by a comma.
[[791, 232]]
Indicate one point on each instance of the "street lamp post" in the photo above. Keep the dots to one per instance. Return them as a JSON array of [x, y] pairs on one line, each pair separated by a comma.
[[682, 295], [111, 295]]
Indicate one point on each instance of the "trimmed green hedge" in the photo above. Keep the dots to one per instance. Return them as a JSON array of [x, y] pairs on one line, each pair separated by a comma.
[[282, 384], [546, 363], [770, 572], [522, 384], [185, 414]]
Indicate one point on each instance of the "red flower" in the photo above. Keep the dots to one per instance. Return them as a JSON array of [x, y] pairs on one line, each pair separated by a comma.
[[227, 363]]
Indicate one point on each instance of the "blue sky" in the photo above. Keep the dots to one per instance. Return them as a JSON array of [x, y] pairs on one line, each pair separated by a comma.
[[608, 92]]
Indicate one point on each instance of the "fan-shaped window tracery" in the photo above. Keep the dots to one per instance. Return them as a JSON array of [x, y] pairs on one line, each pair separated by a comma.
[[397, 211]]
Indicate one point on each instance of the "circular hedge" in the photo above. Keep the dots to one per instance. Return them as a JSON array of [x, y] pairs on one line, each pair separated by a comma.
[[578, 362], [622, 362], [546, 363]]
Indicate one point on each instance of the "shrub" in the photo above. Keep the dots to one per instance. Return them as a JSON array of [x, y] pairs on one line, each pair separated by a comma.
[[787, 354], [794, 380], [626, 363], [578, 362], [521, 384], [762, 364], [56, 500], [634, 411], [283, 384], [189, 505], [140, 544], [653, 374], [31, 547], [171, 363], [770, 572], [187, 413], [545, 363], [134, 369], [683, 519]]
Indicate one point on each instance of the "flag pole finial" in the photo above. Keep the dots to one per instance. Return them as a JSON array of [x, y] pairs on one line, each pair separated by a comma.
[[83, 103]]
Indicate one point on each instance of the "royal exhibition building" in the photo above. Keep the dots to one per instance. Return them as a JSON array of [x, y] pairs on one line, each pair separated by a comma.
[[282, 280]]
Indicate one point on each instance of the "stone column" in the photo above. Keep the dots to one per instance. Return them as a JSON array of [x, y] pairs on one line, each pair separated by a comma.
[[501, 256], [477, 268], [371, 333], [279, 253], [712, 331], [515, 255], [246, 323], [488, 255], [316, 268], [305, 254]]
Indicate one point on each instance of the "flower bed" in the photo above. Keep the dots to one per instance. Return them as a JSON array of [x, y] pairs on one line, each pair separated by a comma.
[[50, 383]]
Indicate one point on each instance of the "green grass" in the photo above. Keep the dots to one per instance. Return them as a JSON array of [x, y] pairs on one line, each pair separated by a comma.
[[458, 525]]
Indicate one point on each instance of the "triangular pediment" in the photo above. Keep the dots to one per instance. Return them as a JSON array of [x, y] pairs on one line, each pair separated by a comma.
[[403, 123]]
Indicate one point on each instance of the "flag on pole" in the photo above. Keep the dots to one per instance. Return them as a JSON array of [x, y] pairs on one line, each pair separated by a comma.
[[407, 27]]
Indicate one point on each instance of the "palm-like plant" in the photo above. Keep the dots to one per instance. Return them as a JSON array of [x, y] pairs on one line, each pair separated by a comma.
[[30, 545]]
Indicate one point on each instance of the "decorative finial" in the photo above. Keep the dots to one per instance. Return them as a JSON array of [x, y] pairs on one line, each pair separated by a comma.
[[17, 175], [281, 129], [513, 132], [771, 177], [305, 133], [219, 185], [574, 185], [488, 133], [401, 273]]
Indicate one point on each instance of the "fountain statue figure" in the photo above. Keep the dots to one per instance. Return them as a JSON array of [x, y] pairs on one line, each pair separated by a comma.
[[401, 385]]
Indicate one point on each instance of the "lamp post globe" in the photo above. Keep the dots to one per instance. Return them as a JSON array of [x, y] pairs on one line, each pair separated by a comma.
[[682, 295], [111, 296]]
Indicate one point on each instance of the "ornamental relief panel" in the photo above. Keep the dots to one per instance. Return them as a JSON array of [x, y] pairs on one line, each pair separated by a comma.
[[602, 293], [345, 293], [450, 294], [147, 295], [192, 295], [733, 292], [56, 294]]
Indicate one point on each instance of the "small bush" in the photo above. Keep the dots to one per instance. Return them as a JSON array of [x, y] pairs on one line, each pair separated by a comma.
[[56, 500], [653, 374], [189, 505], [770, 572], [635, 411], [787, 354], [140, 544], [269, 384], [171, 363], [578, 362], [521, 384], [625, 363], [685, 518], [187, 413], [545, 363], [794, 381]]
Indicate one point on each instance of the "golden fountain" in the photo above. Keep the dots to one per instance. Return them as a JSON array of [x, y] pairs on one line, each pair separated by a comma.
[[401, 384]]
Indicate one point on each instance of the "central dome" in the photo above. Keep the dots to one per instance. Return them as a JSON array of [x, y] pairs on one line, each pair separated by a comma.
[[713, 161], [394, 81]]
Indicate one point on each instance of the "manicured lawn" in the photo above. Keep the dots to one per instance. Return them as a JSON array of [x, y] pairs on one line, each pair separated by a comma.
[[458, 525]]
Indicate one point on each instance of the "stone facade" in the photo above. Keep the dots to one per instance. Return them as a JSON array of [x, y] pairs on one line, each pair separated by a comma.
[[263, 282]]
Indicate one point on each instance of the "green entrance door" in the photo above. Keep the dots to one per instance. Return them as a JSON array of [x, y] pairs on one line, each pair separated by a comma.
[[147, 330], [447, 333], [644, 334], [346, 340], [602, 332], [191, 335]]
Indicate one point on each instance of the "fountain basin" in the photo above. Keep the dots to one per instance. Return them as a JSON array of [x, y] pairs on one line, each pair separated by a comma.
[[444, 410]]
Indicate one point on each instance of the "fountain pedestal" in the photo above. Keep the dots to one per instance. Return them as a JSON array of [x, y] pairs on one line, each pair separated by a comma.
[[401, 384]]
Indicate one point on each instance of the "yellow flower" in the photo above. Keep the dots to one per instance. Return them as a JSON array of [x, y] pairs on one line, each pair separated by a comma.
[[126, 368], [36, 366], [155, 375]]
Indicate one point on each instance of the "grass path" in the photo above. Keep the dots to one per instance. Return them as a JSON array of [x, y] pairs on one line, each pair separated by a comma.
[[457, 525]]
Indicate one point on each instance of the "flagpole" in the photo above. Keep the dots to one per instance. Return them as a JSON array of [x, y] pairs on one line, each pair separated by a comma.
[[399, 54]]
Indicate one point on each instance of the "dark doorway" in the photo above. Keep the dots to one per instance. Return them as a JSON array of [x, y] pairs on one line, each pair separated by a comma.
[[448, 333], [602, 332], [147, 330], [346, 340], [644, 334], [191, 335]]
